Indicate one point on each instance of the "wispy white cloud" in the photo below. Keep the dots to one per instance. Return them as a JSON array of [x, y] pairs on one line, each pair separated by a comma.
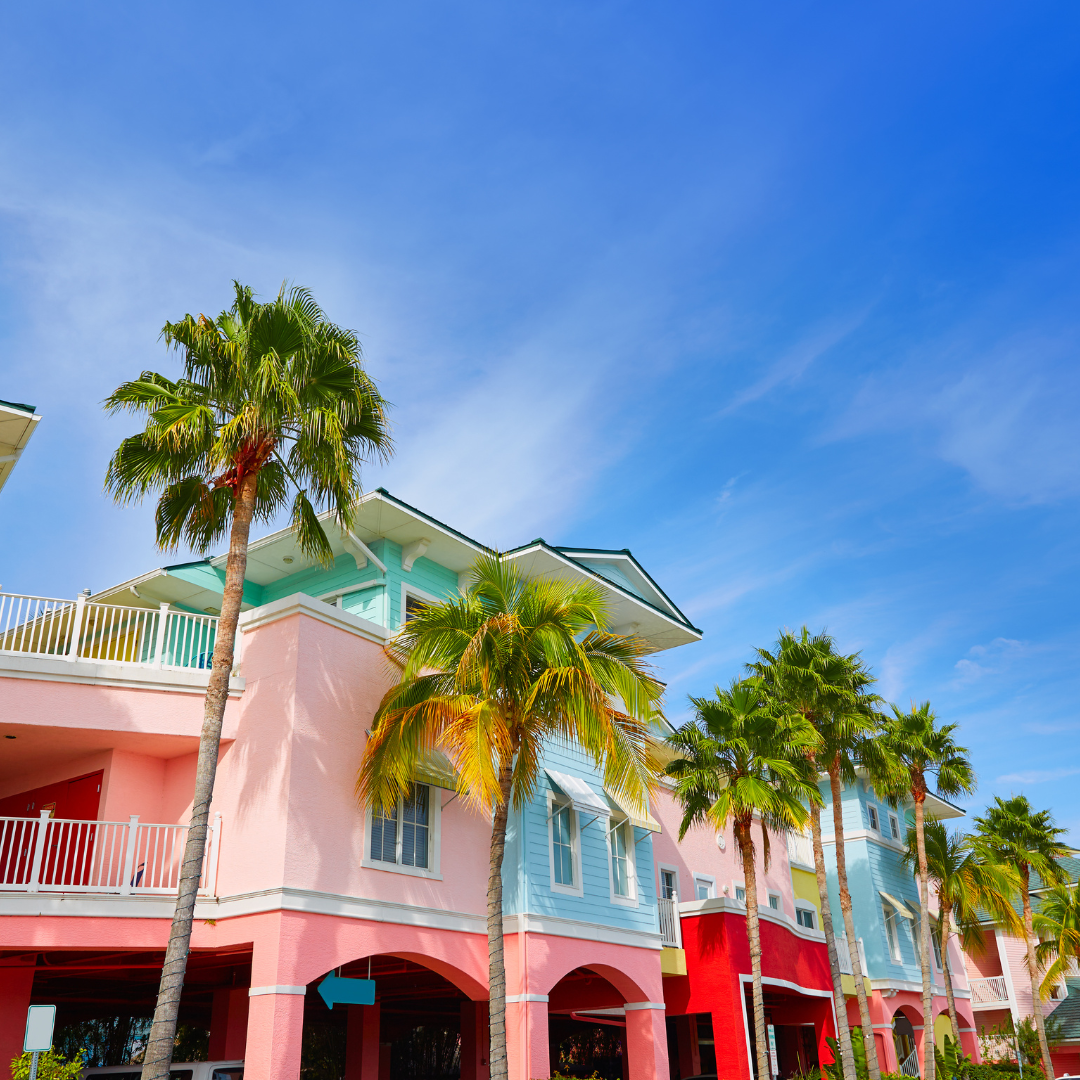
[[990, 659], [1038, 776], [790, 367]]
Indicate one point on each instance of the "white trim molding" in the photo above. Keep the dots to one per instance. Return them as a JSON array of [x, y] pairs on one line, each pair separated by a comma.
[[634, 1006], [519, 999], [259, 991]]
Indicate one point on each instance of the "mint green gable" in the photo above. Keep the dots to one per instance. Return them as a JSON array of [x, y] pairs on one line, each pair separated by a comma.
[[212, 578]]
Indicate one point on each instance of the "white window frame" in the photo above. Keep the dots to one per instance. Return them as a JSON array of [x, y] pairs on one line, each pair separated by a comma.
[[660, 869], [707, 880], [894, 823], [631, 857], [935, 948], [805, 905], [578, 889], [892, 935], [779, 905], [873, 817], [736, 888], [433, 870], [407, 590]]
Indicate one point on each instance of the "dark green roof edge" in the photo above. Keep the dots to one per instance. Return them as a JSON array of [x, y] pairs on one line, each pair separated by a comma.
[[613, 584], [434, 521], [183, 565], [18, 405]]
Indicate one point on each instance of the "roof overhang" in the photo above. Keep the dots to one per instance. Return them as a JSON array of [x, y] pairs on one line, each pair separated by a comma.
[[17, 424], [628, 614]]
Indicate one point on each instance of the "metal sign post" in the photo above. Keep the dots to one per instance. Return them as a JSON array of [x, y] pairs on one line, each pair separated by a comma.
[[40, 1020]]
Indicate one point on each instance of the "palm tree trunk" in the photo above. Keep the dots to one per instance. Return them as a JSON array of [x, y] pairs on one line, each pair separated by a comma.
[[1033, 973], [843, 1033], [753, 934], [159, 1047], [849, 925], [944, 919], [498, 1066], [929, 1059]]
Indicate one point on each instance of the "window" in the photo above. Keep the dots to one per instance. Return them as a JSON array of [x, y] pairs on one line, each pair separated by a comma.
[[937, 949], [804, 916], [890, 932], [774, 901], [894, 826], [704, 887], [872, 811], [669, 884], [413, 606], [562, 842], [402, 834], [623, 868], [740, 894]]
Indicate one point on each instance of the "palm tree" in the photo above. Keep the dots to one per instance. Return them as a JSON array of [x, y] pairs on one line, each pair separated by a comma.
[[805, 675], [968, 882], [911, 748], [272, 396], [739, 758], [1026, 840], [488, 678], [1057, 923]]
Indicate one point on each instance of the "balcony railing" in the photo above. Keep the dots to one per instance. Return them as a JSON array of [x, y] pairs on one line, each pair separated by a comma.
[[670, 924], [992, 991], [800, 849], [106, 633], [128, 858]]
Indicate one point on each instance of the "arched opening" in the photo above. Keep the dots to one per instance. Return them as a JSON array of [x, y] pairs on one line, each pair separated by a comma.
[[907, 1049], [587, 1026], [421, 1026]]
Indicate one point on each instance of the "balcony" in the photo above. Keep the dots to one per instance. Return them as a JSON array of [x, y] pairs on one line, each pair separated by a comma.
[[122, 858], [45, 637], [670, 924], [989, 993], [800, 850]]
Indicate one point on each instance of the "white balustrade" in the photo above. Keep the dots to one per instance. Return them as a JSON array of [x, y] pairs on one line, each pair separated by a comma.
[[670, 923], [106, 633], [991, 991], [800, 849], [46, 854], [843, 955], [910, 1065]]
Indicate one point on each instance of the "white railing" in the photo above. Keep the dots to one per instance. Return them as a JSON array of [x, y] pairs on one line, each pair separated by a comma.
[[910, 1065], [800, 849], [843, 955], [992, 991], [46, 854], [670, 923], [108, 633]]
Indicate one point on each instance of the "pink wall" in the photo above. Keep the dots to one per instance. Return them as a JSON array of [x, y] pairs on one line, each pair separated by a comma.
[[699, 853]]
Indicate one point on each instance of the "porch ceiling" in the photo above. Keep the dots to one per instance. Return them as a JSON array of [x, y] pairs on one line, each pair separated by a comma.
[[35, 748]]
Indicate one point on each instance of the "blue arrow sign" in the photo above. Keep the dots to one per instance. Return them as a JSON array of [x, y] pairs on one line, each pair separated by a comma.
[[338, 991]]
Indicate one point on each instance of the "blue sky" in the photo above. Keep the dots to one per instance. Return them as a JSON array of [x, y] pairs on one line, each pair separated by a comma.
[[783, 297]]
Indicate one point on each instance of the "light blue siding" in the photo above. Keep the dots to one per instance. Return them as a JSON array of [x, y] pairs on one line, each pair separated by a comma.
[[530, 836]]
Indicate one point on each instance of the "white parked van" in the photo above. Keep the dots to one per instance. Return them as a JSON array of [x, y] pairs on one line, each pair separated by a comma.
[[178, 1070]]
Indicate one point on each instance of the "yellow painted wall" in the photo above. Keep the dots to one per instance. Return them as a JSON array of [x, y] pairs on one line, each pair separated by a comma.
[[805, 885], [942, 1027]]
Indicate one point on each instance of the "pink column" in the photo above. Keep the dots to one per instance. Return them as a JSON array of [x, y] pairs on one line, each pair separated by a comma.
[[16, 983], [646, 1040], [886, 1050], [474, 1040], [362, 1042], [228, 1025], [527, 1039], [275, 1032]]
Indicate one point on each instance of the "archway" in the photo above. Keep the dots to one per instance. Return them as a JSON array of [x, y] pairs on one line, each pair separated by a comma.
[[423, 1024], [906, 1043], [587, 1025]]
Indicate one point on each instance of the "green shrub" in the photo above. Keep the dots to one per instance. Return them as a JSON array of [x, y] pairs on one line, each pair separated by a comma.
[[51, 1066]]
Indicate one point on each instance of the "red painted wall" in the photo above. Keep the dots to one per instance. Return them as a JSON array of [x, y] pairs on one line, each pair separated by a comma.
[[76, 799], [717, 953]]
